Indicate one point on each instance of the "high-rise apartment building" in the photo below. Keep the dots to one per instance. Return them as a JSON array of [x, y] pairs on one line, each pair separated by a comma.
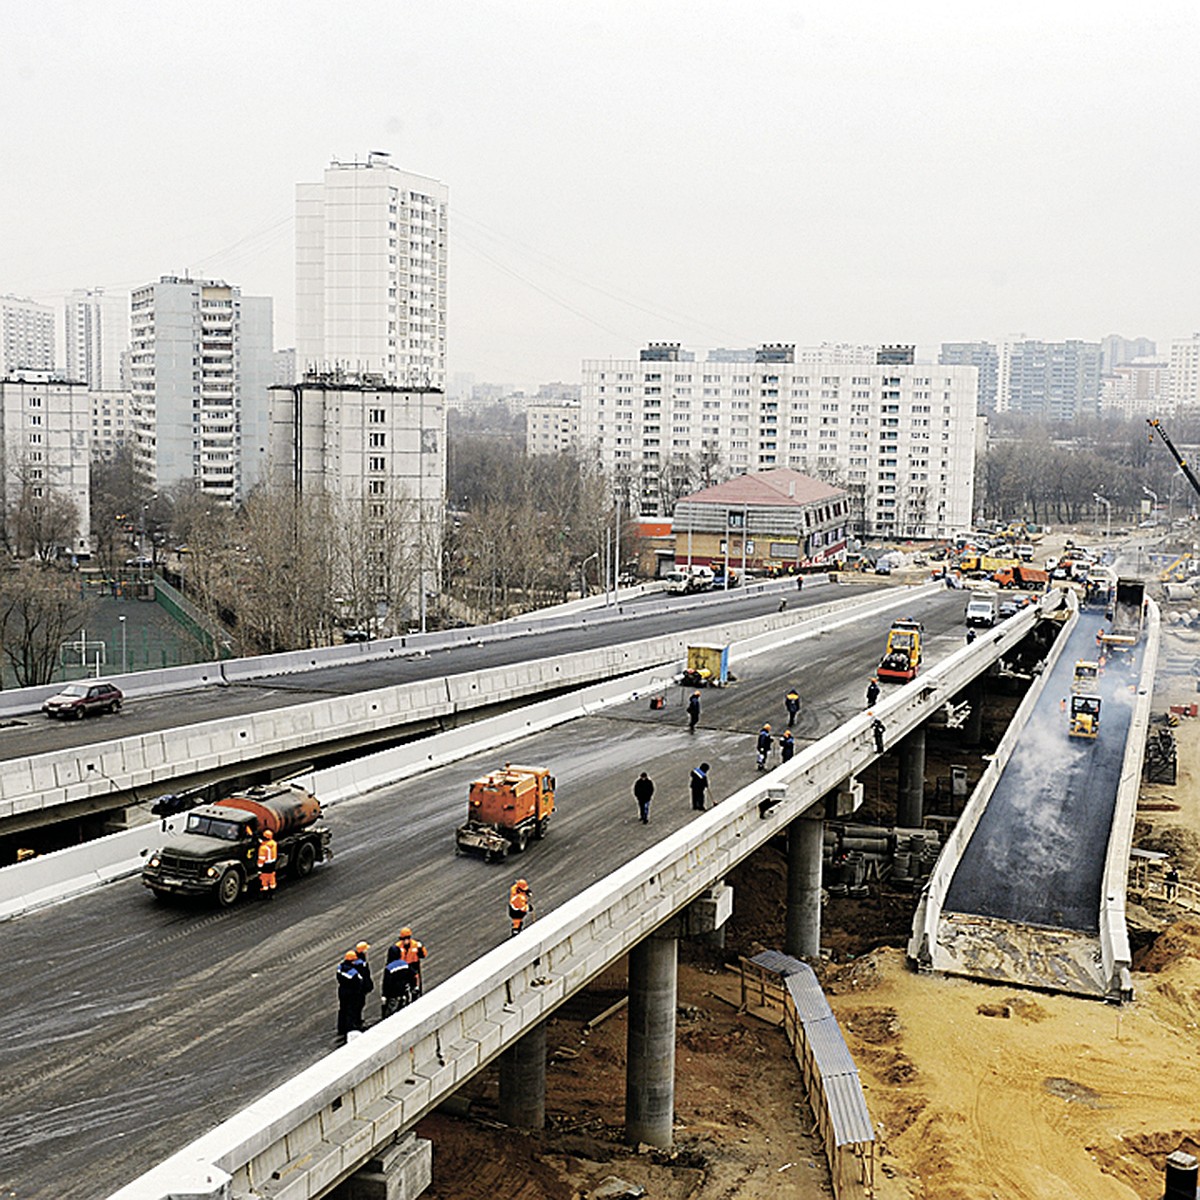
[[378, 453], [371, 273], [984, 357], [1054, 380], [26, 336], [44, 454], [97, 335], [201, 365], [1184, 373], [1116, 350], [1137, 389], [899, 438]]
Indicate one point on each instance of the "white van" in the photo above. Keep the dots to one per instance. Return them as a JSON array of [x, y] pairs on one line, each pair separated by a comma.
[[981, 609]]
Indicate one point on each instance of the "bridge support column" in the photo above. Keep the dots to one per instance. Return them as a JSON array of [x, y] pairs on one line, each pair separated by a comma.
[[802, 933], [973, 729], [401, 1171], [650, 1056], [523, 1080], [910, 807]]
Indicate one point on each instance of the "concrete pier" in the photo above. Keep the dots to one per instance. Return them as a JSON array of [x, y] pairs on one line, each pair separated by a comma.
[[650, 1067], [802, 935], [523, 1081], [910, 804]]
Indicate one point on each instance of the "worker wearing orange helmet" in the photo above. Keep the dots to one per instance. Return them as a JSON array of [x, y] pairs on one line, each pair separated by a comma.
[[268, 853], [763, 744], [407, 949], [361, 950], [520, 905], [353, 986]]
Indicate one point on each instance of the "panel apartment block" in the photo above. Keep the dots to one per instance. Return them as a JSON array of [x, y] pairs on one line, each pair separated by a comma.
[[26, 336], [900, 439], [97, 335], [371, 273]]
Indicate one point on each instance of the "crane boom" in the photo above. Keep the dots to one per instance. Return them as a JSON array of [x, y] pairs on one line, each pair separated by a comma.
[[1156, 425]]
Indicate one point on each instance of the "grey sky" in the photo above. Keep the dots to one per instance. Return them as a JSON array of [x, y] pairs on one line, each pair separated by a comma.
[[713, 173]]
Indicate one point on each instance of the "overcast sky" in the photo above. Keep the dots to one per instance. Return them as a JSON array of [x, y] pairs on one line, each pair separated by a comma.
[[624, 172]]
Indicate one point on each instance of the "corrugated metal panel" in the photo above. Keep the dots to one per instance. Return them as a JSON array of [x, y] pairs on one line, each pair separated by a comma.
[[779, 964], [848, 1110], [807, 996], [829, 1049]]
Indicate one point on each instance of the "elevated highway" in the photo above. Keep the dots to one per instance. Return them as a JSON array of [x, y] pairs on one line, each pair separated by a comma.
[[198, 1013]]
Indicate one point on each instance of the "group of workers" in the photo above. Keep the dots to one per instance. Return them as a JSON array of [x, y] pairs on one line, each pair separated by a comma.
[[400, 986]]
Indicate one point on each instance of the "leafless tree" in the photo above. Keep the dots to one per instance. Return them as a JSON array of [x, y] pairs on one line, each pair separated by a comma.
[[40, 607], [41, 519]]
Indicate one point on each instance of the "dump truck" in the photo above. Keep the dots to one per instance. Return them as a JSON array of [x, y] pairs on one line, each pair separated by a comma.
[[216, 855], [707, 666], [1085, 717], [1128, 610], [902, 657], [505, 809], [1032, 578]]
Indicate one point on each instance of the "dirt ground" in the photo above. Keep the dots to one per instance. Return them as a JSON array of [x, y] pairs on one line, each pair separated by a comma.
[[976, 1091]]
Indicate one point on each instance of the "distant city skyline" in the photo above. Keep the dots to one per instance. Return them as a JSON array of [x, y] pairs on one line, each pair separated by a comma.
[[926, 173]]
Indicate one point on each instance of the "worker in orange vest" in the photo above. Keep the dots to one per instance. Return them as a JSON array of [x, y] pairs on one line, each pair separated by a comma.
[[268, 852], [520, 905], [408, 949]]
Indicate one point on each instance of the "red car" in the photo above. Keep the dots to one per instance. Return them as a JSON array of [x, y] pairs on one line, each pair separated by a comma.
[[79, 699]]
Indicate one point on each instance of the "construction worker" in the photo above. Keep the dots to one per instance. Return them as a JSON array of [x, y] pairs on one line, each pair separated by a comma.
[[787, 746], [877, 732], [409, 950], [397, 989], [520, 905], [698, 780], [872, 691], [361, 950], [268, 852], [643, 793], [763, 744], [693, 711], [352, 994], [792, 703]]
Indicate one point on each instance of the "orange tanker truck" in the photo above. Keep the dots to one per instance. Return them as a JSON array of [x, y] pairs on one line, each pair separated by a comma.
[[216, 855], [505, 810]]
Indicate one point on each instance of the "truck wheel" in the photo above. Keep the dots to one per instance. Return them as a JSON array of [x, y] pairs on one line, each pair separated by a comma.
[[539, 830], [229, 887], [522, 840], [306, 859]]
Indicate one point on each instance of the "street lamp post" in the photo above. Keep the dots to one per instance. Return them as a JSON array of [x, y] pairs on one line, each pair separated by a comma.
[[124, 655], [1154, 499], [1107, 514]]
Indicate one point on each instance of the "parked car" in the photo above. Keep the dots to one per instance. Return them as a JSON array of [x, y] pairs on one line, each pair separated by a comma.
[[141, 560], [718, 582], [1009, 608], [79, 699]]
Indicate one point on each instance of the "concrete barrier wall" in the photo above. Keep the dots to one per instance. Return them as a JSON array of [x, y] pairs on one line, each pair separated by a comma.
[[326, 1122], [1114, 934], [922, 946]]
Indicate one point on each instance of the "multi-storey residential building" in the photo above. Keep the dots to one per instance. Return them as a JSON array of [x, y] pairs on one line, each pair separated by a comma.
[[26, 336], [371, 273], [551, 428], [1184, 373], [97, 335], [1116, 350], [378, 452], [44, 451], [112, 420], [285, 366], [1055, 380], [201, 365], [899, 439], [1137, 389], [984, 357]]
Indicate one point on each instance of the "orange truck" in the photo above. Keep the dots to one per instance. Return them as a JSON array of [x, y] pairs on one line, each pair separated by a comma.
[[505, 810], [1020, 576]]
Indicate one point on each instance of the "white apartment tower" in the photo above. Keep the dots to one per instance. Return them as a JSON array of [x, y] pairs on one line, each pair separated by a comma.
[[1184, 373], [44, 451], [898, 437], [201, 364], [97, 335], [26, 336], [371, 273]]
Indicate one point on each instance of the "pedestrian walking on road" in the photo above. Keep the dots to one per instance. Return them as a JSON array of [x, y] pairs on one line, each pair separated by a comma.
[[787, 746], [698, 781], [352, 994], [763, 744], [268, 852], [693, 711], [872, 691], [643, 793]]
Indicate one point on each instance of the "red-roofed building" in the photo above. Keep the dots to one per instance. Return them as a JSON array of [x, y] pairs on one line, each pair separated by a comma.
[[776, 520]]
